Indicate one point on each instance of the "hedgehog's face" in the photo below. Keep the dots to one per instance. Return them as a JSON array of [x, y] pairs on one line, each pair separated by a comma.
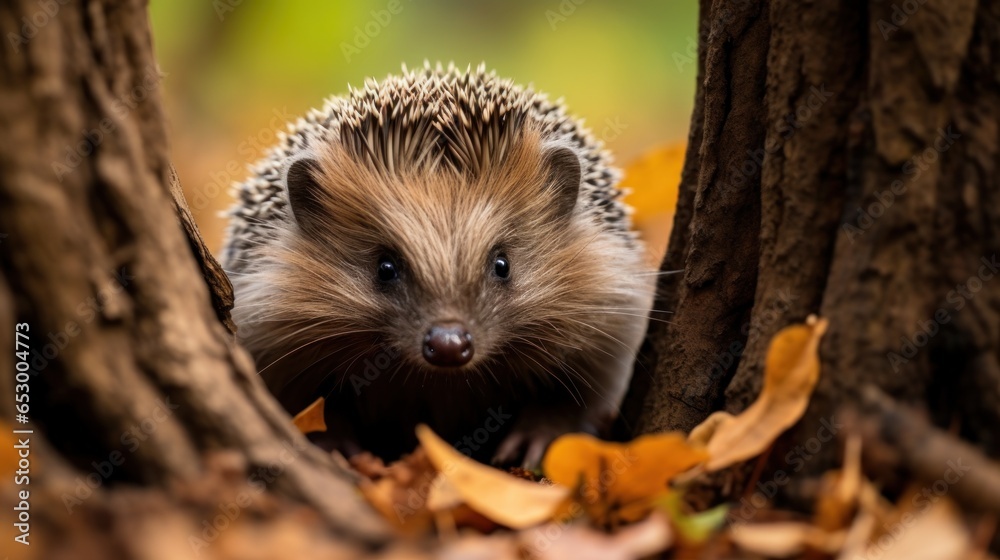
[[454, 273], [439, 322]]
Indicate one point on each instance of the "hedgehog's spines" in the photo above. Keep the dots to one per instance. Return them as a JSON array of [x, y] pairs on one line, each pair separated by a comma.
[[424, 118]]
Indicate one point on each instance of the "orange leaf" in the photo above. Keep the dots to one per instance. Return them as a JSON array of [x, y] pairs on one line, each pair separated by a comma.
[[653, 179], [652, 182], [619, 482], [790, 374], [8, 454], [840, 490], [785, 539], [400, 493], [311, 418], [505, 499]]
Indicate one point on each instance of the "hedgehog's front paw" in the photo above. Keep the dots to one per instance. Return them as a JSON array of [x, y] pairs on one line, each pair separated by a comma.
[[339, 436], [533, 433]]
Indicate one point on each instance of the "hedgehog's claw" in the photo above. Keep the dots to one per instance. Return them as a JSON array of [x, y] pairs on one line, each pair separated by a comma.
[[532, 435], [339, 436], [510, 450], [524, 448]]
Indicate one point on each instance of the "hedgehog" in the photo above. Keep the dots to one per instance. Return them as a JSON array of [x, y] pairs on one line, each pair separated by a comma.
[[447, 248]]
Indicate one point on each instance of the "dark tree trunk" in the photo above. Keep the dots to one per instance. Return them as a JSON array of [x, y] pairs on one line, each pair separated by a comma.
[[132, 362], [843, 160]]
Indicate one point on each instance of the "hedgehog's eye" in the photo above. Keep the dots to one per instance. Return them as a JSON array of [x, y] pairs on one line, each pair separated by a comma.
[[501, 266], [388, 270]]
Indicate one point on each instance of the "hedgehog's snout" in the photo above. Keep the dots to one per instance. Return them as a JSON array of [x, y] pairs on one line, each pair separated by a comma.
[[448, 344]]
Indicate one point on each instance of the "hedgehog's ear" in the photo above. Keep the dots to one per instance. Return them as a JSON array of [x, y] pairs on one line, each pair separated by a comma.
[[304, 191], [564, 176]]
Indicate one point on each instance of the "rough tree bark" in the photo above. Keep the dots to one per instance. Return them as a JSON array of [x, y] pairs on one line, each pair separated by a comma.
[[132, 363], [843, 160]]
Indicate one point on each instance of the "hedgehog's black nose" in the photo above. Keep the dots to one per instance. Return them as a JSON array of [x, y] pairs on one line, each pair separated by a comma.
[[448, 345]]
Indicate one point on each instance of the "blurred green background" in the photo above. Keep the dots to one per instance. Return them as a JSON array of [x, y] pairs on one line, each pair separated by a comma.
[[237, 70]]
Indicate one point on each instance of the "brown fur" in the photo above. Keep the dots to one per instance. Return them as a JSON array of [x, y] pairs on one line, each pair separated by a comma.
[[557, 336]]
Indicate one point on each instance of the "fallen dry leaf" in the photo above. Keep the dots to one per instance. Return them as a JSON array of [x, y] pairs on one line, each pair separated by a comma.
[[840, 490], [856, 539], [443, 495], [702, 433], [310, 419], [619, 482], [922, 530], [401, 493], [782, 540], [652, 182], [473, 547], [505, 499], [579, 542], [790, 374], [368, 465]]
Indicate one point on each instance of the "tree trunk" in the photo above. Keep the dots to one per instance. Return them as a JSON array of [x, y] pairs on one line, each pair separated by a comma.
[[135, 379], [843, 160]]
